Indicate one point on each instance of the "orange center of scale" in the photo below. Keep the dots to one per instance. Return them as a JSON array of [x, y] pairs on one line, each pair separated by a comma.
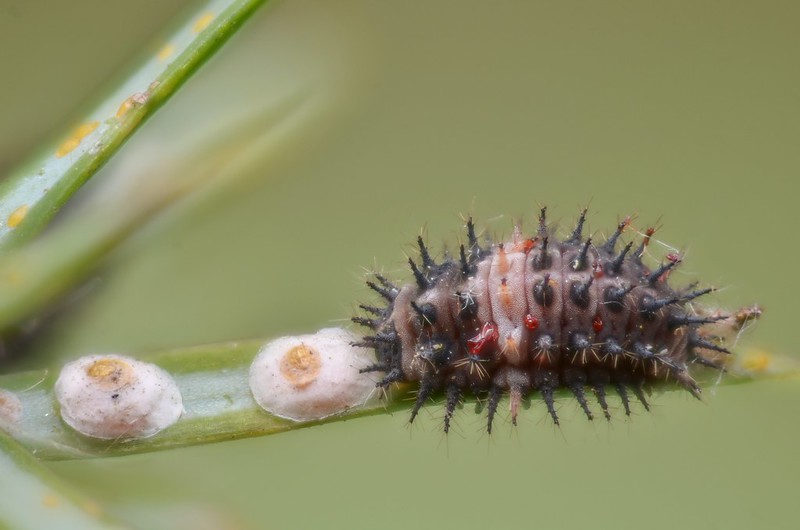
[[300, 366], [110, 374]]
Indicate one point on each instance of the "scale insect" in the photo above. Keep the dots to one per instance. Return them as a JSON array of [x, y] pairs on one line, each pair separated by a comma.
[[538, 314]]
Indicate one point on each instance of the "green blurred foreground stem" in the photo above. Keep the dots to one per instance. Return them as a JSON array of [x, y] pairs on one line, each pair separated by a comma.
[[34, 277], [33, 497], [34, 193], [218, 405]]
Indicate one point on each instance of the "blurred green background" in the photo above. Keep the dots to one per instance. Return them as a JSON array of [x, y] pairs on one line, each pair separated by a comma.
[[687, 112]]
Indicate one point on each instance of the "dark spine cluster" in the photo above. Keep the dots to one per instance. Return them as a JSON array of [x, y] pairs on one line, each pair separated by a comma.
[[536, 315]]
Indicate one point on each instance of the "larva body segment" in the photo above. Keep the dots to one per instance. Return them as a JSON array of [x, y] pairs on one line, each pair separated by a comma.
[[538, 314]]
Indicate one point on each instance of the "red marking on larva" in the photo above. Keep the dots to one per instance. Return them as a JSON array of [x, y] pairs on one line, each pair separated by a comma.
[[531, 322], [502, 264], [528, 245], [673, 257], [505, 294], [597, 324], [647, 235], [487, 335], [597, 270]]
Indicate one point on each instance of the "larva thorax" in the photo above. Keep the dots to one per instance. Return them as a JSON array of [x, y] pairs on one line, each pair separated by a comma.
[[539, 314]]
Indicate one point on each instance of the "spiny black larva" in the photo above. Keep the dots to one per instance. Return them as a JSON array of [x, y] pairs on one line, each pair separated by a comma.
[[537, 315]]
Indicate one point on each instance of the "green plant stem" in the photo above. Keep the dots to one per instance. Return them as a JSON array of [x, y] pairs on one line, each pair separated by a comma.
[[216, 398], [218, 405], [34, 193], [33, 497]]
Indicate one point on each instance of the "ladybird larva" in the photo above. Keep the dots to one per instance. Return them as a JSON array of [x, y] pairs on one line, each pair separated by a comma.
[[539, 314]]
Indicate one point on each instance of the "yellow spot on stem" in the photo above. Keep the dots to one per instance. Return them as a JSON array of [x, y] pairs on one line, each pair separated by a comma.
[[17, 216], [76, 137], [130, 103], [757, 362], [202, 22], [165, 52], [12, 276], [92, 508], [50, 500], [126, 106], [300, 366]]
